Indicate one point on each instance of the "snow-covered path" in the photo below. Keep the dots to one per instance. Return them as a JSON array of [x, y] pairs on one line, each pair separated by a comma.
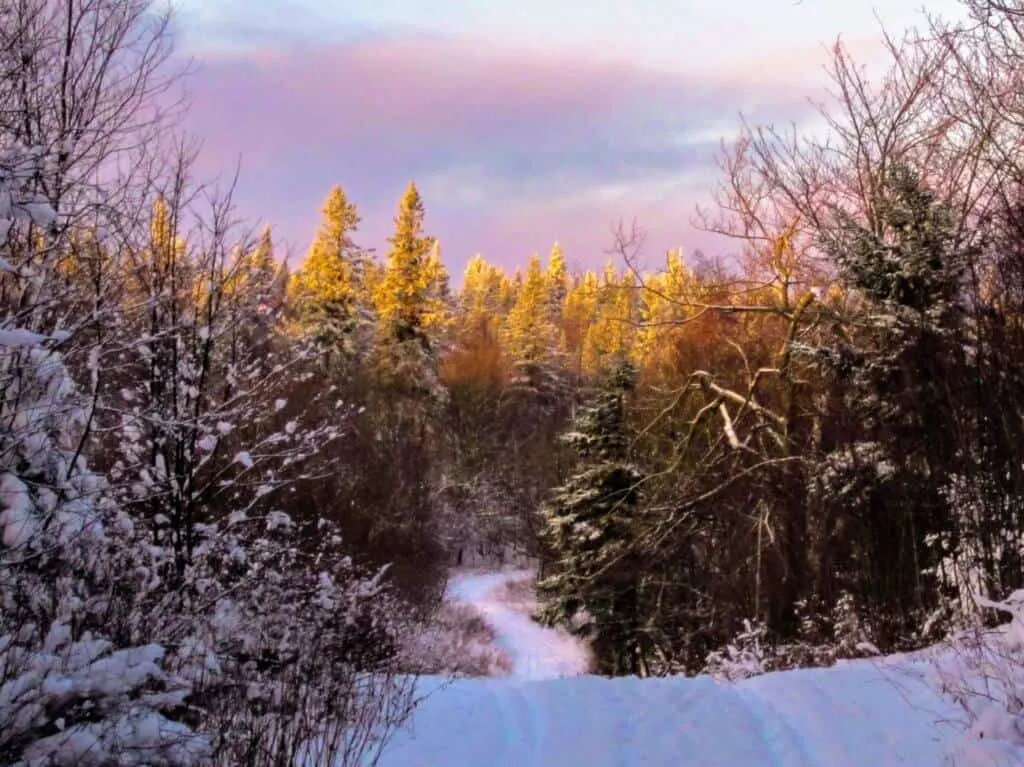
[[536, 652], [845, 717], [860, 713]]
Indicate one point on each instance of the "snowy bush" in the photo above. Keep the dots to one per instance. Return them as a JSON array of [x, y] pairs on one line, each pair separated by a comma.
[[295, 650], [823, 642], [186, 620], [984, 674], [68, 694], [742, 658], [970, 559], [265, 645], [455, 641]]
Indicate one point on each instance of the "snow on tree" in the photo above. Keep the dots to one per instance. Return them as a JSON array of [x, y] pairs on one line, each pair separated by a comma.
[[892, 371], [590, 528], [329, 294], [68, 694], [162, 609], [412, 302], [190, 412]]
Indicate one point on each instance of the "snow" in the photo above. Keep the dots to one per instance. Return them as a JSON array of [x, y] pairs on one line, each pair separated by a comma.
[[536, 652], [866, 712]]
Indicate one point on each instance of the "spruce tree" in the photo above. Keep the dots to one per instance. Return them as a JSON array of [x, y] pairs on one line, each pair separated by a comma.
[[481, 301], [327, 294], [611, 336], [590, 530], [412, 301], [403, 293], [531, 336], [557, 279], [531, 343], [902, 375]]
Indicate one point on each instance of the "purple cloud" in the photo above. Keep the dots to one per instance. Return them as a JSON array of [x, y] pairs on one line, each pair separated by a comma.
[[511, 148]]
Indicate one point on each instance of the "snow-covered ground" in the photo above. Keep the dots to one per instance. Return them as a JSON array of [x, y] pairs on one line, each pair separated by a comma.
[[536, 652], [859, 713]]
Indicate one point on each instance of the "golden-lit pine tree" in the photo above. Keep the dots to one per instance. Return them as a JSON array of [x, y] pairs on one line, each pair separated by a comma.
[[327, 294], [482, 300], [402, 296], [611, 337], [437, 319], [162, 266], [665, 306], [579, 314], [411, 300], [556, 278], [262, 265], [475, 362], [510, 285], [254, 271], [530, 335]]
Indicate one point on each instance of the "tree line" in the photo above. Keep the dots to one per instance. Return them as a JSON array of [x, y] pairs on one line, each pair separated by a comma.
[[244, 483]]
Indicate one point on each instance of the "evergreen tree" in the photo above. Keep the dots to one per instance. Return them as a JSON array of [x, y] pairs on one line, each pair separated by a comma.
[[557, 279], [663, 305], [411, 298], [481, 301], [579, 314], [894, 375], [438, 315], [403, 292], [590, 527], [611, 335], [327, 294], [531, 344], [531, 336]]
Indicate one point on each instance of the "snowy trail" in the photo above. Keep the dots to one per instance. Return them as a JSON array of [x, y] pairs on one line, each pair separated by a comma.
[[536, 652], [849, 716], [861, 713]]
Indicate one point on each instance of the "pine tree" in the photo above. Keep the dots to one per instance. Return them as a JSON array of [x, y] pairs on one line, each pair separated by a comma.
[[556, 278], [664, 307], [531, 336], [437, 319], [904, 378], [411, 298], [579, 314], [590, 527], [481, 301], [254, 274], [327, 293], [611, 336], [403, 293]]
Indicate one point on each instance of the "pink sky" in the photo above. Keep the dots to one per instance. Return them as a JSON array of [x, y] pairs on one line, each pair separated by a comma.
[[511, 148]]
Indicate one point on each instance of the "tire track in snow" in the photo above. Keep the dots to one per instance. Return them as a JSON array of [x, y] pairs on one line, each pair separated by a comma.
[[845, 716]]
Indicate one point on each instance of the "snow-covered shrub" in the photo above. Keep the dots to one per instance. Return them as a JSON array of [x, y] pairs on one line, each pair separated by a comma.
[[825, 640], [290, 646], [148, 614], [983, 671], [455, 641], [69, 695], [969, 558], [742, 658], [234, 638]]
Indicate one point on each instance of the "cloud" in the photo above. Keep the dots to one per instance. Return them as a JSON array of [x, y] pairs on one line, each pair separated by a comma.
[[504, 143]]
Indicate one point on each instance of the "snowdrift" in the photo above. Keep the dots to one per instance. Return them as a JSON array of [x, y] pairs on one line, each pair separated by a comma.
[[857, 714], [876, 713]]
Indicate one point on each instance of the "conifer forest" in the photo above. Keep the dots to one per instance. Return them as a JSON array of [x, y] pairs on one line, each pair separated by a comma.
[[234, 485]]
